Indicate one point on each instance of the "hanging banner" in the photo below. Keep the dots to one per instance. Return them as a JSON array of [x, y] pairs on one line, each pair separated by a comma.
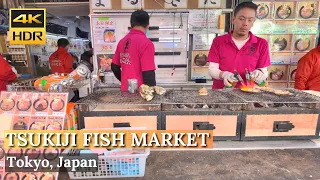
[[101, 4], [209, 4], [176, 4], [204, 21], [132, 4]]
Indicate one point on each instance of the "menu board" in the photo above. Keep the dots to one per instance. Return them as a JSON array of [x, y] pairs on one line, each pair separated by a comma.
[[105, 41], [31, 111], [291, 29], [202, 41], [204, 21]]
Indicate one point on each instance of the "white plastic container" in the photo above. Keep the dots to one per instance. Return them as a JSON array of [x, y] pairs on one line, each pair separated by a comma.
[[116, 166]]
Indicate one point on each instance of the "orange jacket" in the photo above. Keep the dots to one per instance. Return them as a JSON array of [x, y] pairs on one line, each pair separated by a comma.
[[308, 71], [61, 61], [7, 76]]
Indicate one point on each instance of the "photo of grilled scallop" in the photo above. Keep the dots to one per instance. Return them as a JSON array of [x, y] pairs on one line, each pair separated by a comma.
[[200, 60]]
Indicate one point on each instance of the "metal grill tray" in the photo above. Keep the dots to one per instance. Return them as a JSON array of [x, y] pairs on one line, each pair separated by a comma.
[[193, 97], [115, 100], [117, 97], [267, 97]]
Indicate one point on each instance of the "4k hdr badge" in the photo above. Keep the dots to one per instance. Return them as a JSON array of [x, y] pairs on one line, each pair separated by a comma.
[[27, 26]]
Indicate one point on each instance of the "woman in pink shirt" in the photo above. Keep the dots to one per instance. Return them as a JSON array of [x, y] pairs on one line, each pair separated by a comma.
[[134, 56], [239, 50]]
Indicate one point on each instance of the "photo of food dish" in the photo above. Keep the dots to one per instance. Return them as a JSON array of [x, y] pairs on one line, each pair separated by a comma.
[[200, 59], [280, 44], [276, 74], [20, 125], [302, 44], [7, 104], [57, 104], [32, 153], [50, 154], [54, 126], [24, 103], [29, 176], [105, 61], [307, 10], [262, 11], [11, 176], [47, 176], [2, 153], [40, 104], [37, 125], [109, 35], [284, 11], [293, 75], [15, 153]]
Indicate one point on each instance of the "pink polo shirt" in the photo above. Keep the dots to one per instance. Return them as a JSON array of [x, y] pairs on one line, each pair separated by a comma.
[[254, 54], [135, 54]]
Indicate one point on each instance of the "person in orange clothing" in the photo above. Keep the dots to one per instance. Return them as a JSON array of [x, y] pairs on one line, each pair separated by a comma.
[[7, 76], [61, 61], [308, 71]]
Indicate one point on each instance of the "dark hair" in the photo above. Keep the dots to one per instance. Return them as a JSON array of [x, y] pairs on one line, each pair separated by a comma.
[[244, 5], [90, 45], [139, 18], [62, 42]]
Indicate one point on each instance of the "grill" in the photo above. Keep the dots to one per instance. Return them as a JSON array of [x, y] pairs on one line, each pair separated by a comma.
[[111, 100], [190, 99], [267, 99], [186, 100]]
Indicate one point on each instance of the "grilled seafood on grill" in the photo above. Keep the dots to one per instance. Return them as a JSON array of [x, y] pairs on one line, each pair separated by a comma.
[[275, 91], [250, 90], [160, 90], [281, 92], [203, 92], [146, 92]]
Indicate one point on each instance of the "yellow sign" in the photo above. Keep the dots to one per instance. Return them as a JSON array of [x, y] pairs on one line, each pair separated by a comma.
[[27, 26]]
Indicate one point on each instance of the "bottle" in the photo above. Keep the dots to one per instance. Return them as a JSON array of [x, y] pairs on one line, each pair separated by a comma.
[[259, 83], [234, 83]]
